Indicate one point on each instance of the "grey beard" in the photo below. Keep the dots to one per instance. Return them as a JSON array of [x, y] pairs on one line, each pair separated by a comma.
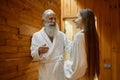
[[50, 30]]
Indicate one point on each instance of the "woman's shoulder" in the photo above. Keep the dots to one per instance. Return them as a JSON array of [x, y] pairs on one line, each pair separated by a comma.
[[79, 34]]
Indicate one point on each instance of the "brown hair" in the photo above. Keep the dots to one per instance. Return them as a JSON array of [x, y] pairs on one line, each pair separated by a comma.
[[92, 43]]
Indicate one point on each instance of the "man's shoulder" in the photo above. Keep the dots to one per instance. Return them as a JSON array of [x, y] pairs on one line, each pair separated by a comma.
[[60, 32], [36, 33]]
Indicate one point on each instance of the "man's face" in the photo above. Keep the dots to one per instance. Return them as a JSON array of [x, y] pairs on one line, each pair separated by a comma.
[[51, 19], [50, 24]]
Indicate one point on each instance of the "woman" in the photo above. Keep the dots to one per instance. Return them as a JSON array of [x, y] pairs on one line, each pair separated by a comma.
[[84, 58]]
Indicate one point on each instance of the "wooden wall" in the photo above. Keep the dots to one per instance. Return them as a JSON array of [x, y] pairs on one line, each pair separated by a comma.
[[108, 26], [19, 19]]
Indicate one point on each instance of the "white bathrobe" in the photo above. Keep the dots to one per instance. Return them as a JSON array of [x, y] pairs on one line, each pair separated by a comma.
[[76, 67], [51, 63]]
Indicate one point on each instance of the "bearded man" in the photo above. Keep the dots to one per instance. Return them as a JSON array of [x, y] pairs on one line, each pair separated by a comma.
[[48, 46]]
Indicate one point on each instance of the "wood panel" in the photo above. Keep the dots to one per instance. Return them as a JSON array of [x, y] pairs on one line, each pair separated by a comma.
[[69, 8], [66, 8], [106, 41], [80, 5], [73, 8], [89, 4], [115, 19]]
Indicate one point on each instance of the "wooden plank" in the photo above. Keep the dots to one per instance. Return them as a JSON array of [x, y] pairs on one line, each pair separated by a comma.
[[114, 67], [101, 10], [7, 28], [107, 41], [73, 8], [28, 30], [24, 11], [24, 37], [27, 19], [8, 35], [2, 20], [24, 49], [62, 16], [8, 49], [13, 22], [24, 63], [3, 2], [2, 42], [66, 8], [12, 75], [21, 75], [89, 4], [107, 36], [115, 22], [28, 69], [7, 11], [32, 76], [100, 27], [18, 43], [115, 19], [8, 66], [13, 55], [118, 66], [81, 4]]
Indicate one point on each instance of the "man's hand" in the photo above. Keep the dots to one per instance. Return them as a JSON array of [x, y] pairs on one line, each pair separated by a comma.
[[43, 49]]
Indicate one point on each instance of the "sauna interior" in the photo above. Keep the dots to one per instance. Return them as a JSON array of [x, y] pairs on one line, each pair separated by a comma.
[[19, 19]]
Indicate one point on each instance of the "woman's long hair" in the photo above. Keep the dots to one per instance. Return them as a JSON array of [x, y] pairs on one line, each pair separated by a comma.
[[92, 43]]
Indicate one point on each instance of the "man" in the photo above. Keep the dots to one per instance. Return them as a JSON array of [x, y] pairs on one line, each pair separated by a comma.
[[48, 46]]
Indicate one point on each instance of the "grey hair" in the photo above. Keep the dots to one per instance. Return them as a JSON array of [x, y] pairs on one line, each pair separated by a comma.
[[46, 12]]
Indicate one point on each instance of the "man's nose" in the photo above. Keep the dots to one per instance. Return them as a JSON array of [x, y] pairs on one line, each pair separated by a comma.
[[53, 20]]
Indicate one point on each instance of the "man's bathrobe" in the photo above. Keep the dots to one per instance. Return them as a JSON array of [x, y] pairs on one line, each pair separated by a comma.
[[51, 63], [75, 68]]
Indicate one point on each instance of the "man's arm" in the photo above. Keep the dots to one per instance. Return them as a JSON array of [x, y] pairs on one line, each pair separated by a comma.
[[68, 44], [37, 50], [43, 49]]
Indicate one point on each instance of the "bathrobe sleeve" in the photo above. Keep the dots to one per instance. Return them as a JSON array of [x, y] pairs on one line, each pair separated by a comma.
[[34, 48], [68, 44]]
